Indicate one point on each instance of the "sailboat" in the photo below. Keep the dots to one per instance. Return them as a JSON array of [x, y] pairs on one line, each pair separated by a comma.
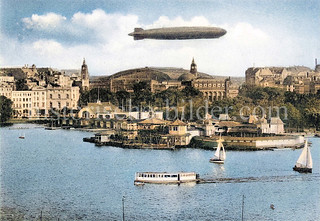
[[304, 163], [220, 154]]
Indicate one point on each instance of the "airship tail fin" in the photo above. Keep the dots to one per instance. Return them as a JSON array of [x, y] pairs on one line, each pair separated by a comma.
[[138, 29]]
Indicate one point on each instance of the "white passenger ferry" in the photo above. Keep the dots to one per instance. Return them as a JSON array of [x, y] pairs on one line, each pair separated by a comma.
[[164, 177]]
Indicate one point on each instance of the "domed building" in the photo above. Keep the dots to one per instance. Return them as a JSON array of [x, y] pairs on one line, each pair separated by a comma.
[[187, 77], [160, 79]]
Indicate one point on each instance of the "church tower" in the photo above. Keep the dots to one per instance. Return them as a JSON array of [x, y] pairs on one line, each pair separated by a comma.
[[193, 68], [84, 76]]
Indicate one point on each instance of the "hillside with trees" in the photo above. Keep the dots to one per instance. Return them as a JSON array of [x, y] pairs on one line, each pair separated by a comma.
[[298, 111]]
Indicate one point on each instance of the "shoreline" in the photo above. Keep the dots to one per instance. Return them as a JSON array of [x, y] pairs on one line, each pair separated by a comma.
[[207, 143]]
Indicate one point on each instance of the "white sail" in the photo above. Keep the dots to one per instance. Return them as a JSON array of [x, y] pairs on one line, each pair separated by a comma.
[[220, 153], [309, 158], [217, 153], [305, 160]]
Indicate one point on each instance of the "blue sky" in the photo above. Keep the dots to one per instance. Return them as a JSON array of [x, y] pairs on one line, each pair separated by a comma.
[[60, 33]]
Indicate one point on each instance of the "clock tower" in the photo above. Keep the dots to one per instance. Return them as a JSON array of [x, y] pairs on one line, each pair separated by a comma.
[[193, 68], [84, 76]]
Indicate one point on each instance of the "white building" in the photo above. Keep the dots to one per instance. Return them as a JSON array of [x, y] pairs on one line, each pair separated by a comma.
[[22, 103], [276, 126], [60, 97]]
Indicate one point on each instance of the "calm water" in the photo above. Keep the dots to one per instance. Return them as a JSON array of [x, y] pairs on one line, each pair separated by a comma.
[[58, 174]]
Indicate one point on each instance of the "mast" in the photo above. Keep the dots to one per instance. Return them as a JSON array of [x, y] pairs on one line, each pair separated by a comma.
[[98, 101], [242, 207]]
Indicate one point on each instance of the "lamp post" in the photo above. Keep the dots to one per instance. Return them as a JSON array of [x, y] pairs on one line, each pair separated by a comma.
[[242, 207], [123, 198]]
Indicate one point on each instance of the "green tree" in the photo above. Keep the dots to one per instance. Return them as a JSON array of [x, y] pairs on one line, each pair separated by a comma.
[[21, 85], [122, 97], [294, 118], [142, 94], [5, 109], [312, 112], [96, 94], [190, 92]]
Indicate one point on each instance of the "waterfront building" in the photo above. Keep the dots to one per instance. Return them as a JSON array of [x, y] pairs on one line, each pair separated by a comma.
[[22, 103], [178, 135], [254, 126], [46, 90], [39, 101], [62, 97], [151, 124], [142, 115], [101, 110], [276, 126], [177, 128], [29, 103], [209, 127]]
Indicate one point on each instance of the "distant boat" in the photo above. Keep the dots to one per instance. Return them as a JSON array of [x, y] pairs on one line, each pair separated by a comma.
[[22, 136], [50, 128], [220, 154], [304, 163]]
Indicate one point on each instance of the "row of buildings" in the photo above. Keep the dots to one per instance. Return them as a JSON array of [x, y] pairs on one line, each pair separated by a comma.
[[37, 91], [299, 79]]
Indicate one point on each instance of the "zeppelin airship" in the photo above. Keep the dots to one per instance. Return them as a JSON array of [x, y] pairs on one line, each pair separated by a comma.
[[178, 33]]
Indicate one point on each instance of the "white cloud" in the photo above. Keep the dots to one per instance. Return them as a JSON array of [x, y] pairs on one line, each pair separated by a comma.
[[108, 48], [164, 21], [44, 22], [48, 48]]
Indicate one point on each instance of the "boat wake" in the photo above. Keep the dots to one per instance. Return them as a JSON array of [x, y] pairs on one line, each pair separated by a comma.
[[288, 178]]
